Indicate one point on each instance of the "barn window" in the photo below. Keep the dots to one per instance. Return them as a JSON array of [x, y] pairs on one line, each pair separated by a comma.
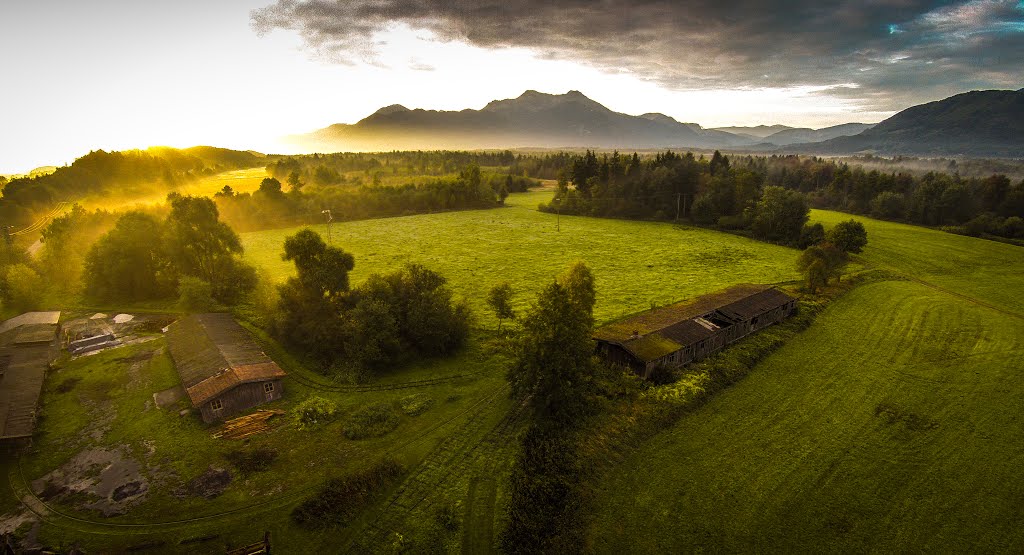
[[216, 404], [268, 387]]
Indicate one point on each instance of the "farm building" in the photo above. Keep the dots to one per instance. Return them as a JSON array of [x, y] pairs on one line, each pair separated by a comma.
[[677, 334], [222, 368], [28, 344]]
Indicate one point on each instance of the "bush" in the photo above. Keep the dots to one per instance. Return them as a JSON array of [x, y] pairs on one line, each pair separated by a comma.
[[313, 412], [372, 421], [23, 288], [195, 295], [415, 405], [344, 498]]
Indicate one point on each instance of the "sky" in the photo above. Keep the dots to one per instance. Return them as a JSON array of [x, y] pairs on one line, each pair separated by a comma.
[[244, 74]]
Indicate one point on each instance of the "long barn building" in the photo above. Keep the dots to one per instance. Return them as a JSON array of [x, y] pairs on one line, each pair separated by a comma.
[[222, 368], [681, 333]]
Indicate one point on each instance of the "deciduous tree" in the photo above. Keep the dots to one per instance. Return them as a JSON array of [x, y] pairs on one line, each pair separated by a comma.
[[849, 236], [499, 299]]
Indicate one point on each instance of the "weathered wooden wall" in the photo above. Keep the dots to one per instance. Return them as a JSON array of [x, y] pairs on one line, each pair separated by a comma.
[[239, 399]]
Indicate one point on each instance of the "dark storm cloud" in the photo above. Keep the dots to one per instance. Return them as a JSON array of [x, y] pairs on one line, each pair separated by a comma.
[[889, 52]]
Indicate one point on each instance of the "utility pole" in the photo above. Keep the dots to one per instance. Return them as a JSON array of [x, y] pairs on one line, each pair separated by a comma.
[[679, 197], [558, 215], [330, 219]]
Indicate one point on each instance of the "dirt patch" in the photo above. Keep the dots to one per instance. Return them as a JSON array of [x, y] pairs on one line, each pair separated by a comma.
[[209, 484], [105, 480], [169, 397], [12, 521]]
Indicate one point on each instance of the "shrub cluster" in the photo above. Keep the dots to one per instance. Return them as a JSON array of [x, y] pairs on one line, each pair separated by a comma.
[[372, 421], [342, 499], [415, 405], [312, 412]]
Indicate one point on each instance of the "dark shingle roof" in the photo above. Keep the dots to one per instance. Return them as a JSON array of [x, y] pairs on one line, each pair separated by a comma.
[[748, 307], [214, 354]]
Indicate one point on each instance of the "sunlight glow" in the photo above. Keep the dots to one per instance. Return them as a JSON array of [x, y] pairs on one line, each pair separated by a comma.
[[225, 86]]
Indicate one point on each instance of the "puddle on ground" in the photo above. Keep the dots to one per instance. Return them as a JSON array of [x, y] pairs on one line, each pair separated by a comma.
[[105, 480]]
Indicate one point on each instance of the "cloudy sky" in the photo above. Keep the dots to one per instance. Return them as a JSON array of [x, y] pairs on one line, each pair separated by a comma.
[[120, 74]]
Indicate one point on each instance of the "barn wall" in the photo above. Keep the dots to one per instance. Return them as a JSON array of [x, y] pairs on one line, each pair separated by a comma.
[[239, 399]]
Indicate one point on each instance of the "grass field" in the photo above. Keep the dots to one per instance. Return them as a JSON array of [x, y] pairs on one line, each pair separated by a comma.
[[890, 425], [985, 270], [883, 427], [636, 264]]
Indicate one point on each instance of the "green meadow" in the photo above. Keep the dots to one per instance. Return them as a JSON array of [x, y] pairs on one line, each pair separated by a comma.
[[890, 425], [886, 426], [637, 264], [987, 271]]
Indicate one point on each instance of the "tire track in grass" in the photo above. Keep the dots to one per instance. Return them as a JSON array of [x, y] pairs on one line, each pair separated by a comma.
[[457, 456]]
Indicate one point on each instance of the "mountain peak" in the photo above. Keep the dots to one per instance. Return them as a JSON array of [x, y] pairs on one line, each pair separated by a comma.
[[390, 110], [532, 100]]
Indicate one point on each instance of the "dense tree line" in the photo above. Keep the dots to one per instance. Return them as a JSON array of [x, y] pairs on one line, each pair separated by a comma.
[[145, 258], [752, 193], [329, 169], [672, 186], [116, 174], [389, 318], [991, 205]]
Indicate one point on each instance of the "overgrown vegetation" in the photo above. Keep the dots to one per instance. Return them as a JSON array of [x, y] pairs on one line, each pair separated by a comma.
[[416, 404], [313, 412], [554, 372], [372, 421], [342, 499]]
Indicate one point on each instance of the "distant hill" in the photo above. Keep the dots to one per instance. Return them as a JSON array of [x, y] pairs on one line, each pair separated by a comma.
[[807, 135], [977, 123], [757, 131], [533, 119]]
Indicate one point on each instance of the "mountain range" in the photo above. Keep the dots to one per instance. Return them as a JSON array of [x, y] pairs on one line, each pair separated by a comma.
[[980, 123], [977, 123]]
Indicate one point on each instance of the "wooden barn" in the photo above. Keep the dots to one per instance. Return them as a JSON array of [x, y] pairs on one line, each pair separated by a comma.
[[28, 344], [222, 368], [677, 334]]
